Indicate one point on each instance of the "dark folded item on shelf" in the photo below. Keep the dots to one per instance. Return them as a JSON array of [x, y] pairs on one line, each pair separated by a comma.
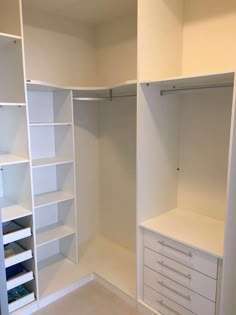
[[10, 227], [13, 271], [17, 293]]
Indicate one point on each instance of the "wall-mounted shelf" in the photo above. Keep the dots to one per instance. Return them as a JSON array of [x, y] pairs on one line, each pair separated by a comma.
[[49, 162], [12, 104], [51, 233], [6, 39], [50, 124], [9, 159], [51, 198], [12, 211]]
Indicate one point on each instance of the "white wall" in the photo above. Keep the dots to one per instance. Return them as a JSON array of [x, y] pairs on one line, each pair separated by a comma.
[[118, 171], [204, 151], [59, 51], [209, 36], [116, 44]]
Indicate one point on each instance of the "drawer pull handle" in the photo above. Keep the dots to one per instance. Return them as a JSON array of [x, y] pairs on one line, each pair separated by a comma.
[[189, 254], [168, 307], [175, 270], [162, 283]]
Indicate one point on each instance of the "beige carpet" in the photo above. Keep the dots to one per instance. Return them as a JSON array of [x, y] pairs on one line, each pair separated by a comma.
[[92, 299]]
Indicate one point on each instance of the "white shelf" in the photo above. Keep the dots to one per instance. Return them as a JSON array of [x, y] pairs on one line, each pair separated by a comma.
[[51, 233], [17, 233], [12, 211], [21, 302], [9, 159], [51, 198], [20, 279], [6, 39], [20, 256], [192, 229], [12, 104], [46, 124], [50, 161]]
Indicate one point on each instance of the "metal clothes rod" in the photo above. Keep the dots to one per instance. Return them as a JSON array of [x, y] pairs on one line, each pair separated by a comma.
[[102, 98], [194, 88]]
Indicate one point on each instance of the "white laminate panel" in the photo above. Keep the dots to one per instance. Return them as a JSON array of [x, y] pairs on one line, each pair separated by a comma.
[[163, 304], [198, 282], [179, 294], [183, 254]]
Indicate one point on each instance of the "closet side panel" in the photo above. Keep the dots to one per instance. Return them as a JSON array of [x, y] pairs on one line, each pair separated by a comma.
[[87, 170], [228, 301], [117, 51], [209, 36], [204, 148], [59, 51], [160, 31], [118, 170]]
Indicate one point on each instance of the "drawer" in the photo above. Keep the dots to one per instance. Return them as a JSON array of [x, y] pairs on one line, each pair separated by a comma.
[[185, 255], [14, 233], [19, 256], [179, 294], [21, 302], [20, 279], [181, 274], [163, 304]]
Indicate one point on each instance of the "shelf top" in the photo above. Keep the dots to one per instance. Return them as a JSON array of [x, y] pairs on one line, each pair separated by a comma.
[[204, 79], [34, 85], [9, 159], [190, 228], [11, 211], [49, 162], [52, 233]]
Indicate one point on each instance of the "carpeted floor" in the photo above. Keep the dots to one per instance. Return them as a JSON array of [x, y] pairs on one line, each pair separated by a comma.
[[92, 299]]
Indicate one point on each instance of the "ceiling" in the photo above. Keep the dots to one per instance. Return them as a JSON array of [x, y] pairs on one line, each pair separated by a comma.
[[91, 12]]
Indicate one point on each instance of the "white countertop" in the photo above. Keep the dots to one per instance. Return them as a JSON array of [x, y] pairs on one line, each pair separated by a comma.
[[190, 228]]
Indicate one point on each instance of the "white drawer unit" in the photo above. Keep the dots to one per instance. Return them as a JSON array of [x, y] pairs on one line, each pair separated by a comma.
[[181, 274], [163, 304], [179, 294], [195, 259], [15, 233]]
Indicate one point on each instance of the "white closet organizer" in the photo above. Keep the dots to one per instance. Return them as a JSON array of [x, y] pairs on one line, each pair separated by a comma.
[[188, 143], [15, 177], [52, 151]]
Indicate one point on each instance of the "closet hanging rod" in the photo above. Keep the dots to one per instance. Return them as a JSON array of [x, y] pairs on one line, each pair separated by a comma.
[[102, 98], [194, 88]]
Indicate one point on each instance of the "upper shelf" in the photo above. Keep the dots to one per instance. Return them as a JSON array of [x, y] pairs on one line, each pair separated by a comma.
[[121, 88], [192, 229]]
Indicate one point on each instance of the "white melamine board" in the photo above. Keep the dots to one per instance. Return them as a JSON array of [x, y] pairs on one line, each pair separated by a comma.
[[40, 106], [17, 234], [19, 256], [116, 43], [208, 36], [51, 198], [13, 135], [87, 169], [44, 252], [51, 233], [6, 39], [21, 302], [117, 140], [160, 34], [204, 150], [11, 78], [8, 159], [50, 124], [12, 212], [49, 162], [17, 185], [195, 230], [10, 17], [20, 279], [157, 152], [228, 302]]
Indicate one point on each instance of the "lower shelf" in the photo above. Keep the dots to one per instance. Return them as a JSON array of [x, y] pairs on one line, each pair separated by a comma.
[[20, 279], [12, 211], [21, 302], [51, 233], [51, 198], [19, 256]]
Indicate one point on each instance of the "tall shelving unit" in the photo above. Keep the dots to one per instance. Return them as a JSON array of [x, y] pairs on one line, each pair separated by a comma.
[[17, 224], [52, 149]]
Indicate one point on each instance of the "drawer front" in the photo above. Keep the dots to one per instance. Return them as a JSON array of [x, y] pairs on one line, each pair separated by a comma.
[[181, 274], [163, 304], [185, 255], [179, 294]]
